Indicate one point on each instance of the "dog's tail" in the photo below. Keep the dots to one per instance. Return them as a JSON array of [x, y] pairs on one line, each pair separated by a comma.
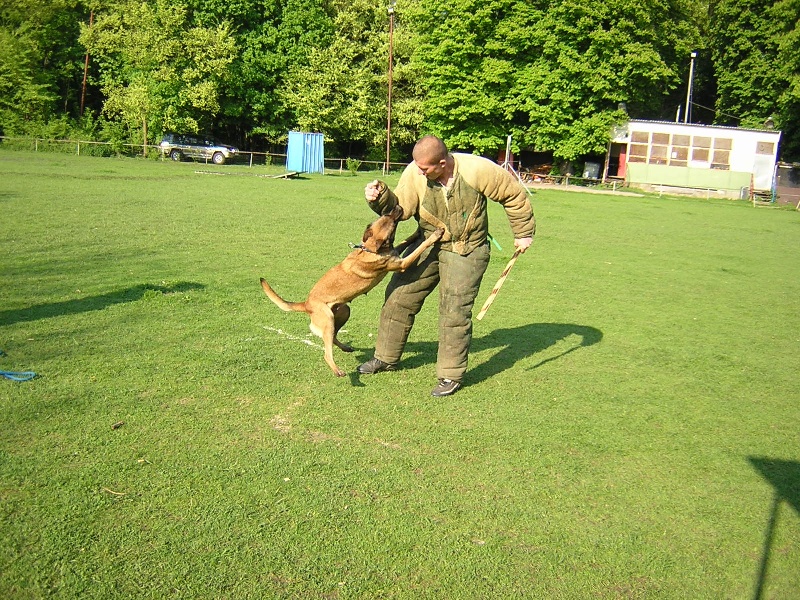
[[282, 304]]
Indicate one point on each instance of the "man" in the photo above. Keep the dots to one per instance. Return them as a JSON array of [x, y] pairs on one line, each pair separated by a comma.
[[440, 189]]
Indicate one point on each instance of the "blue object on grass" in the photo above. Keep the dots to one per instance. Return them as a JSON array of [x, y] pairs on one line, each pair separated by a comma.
[[16, 375]]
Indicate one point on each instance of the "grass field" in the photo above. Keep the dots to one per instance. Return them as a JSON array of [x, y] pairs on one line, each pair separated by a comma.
[[629, 427]]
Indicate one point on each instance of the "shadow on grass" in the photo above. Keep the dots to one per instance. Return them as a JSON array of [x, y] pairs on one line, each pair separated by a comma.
[[784, 477], [91, 303], [514, 344]]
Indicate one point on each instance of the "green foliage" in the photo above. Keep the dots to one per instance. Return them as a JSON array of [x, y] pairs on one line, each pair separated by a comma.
[[334, 90], [25, 96], [469, 69], [787, 66], [550, 72], [590, 58], [333, 94], [40, 61], [270, 47], [745, 53], [757, 65], [157, 69]]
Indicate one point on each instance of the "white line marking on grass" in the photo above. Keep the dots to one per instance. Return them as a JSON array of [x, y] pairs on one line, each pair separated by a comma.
[[294, 338]]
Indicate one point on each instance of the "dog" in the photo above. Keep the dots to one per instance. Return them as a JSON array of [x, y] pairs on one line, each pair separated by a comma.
[[362, 269]]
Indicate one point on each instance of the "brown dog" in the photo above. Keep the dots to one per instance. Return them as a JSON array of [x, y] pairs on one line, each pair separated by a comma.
[[358, 273]]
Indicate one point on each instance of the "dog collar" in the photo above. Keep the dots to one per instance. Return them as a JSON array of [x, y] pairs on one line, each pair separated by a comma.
[[361, 247]]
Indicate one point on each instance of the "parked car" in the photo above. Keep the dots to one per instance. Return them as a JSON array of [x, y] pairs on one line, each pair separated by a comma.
[[176, 146]]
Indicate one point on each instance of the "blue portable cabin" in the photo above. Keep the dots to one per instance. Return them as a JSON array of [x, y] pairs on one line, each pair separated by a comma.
[[305, 152]]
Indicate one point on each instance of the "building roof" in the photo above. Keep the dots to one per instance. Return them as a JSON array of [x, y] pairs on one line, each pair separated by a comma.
[[700, 125]]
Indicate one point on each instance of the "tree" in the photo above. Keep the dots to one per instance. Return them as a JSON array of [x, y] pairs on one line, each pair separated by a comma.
[[25, 95], [786, 14], [333, 95], [592, 57], [467, 53], [744, 51], [273, 38], [156, 69], [551, 73], [756, 53], [342, 89], [39, 55]]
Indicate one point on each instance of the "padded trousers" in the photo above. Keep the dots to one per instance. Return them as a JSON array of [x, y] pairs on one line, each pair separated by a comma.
[[459, 279]]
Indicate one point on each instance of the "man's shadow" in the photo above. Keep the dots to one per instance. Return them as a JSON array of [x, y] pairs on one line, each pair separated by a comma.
[[514, 344], [91, 303]]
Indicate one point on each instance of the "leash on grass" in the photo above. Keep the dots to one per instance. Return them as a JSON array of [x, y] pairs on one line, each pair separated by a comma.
[[17, 375]]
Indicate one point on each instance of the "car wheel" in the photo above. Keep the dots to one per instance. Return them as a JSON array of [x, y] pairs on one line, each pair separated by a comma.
[[175, 155], [218, 158]]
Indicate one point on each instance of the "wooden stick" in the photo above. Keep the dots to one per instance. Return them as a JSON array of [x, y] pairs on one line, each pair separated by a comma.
[[498, 285]]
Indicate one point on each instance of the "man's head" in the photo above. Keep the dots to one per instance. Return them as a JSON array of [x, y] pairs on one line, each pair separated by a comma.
[[430, 155]]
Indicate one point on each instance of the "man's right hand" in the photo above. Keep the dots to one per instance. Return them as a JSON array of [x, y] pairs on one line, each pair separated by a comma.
[[372, 191]]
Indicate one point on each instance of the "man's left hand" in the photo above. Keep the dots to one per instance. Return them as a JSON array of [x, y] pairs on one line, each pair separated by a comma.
[[523, 244]]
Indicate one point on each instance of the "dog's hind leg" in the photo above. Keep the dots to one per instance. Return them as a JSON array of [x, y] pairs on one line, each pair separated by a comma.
[[341, 312], [322, 324]]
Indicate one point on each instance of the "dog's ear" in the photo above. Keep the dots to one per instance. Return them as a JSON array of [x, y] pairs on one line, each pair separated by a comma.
[[367, 233]]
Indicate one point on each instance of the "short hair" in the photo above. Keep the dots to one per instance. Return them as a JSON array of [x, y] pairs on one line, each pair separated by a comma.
[[430, 148]]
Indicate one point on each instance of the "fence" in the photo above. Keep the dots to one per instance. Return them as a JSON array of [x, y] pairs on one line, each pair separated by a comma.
[[251, 159], [153, 151]]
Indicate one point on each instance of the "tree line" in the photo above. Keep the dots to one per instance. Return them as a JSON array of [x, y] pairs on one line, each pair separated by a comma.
[[557, 75]]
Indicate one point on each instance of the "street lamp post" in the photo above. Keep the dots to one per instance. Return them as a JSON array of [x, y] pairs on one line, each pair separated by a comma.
[[689, 90], [389, 103]]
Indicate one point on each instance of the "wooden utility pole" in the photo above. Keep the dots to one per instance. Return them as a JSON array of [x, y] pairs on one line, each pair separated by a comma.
[[86, 66], [389, 105]]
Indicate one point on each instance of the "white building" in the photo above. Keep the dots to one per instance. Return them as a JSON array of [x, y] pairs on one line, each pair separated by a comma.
[[719, 161]]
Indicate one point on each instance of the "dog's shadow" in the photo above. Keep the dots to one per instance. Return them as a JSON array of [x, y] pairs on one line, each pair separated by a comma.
[[513, 344]]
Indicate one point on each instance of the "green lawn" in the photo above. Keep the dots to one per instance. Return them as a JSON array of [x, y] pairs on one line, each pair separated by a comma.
[[629, 427]]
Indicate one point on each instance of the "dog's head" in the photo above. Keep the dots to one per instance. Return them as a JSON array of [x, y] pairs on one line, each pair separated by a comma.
[[379, 235]]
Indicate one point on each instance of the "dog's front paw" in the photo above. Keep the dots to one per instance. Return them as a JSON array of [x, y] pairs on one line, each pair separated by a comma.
[[437, 235]]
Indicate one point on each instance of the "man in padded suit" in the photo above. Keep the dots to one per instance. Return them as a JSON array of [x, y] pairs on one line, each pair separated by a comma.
[[447, 190]]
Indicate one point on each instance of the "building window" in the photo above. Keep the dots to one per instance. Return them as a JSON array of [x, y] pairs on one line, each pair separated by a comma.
[[765, 148], [658, 155], [638, 153], [701, 142], [679, 153], [721, 160], [681, 140], [679, 156], [700, 154], [660, 139], [723, 143], [640, 137]]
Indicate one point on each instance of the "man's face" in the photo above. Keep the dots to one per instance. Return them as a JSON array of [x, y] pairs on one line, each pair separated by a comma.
[[431, 169]]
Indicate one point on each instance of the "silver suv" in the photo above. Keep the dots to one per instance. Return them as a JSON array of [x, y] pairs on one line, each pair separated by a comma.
[[176, 146]]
